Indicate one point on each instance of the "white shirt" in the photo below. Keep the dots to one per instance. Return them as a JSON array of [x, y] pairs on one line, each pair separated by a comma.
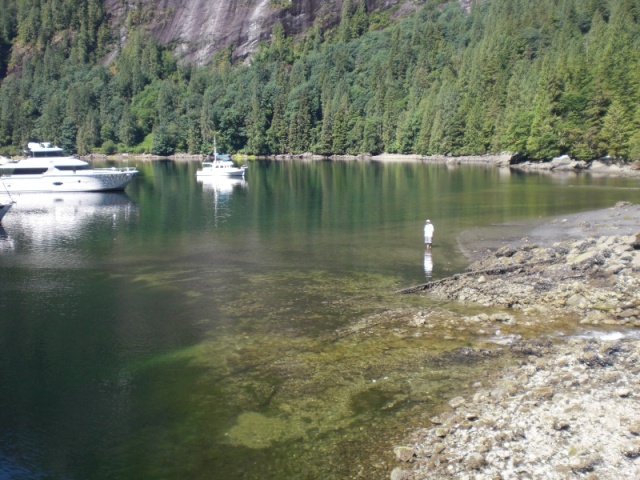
[[428, 230]]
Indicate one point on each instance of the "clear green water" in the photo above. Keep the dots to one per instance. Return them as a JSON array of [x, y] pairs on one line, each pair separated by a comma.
[[186, 330]]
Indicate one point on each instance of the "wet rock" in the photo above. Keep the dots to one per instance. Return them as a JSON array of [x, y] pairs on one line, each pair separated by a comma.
[[436, 420], [634, 427], [593, 359], [404, 453], [543, 393], [624, 392], [577, 300], [438, 448], [506, 251], [585, 463], [503, 318], [536, 347], [631, 449], [456, 402], [475, 460], [561, 424], [441, 432], [399, 474]]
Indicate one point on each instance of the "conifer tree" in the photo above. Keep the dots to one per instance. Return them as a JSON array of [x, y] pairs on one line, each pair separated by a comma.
[[543, 141], [162, 143], [372, 136], [300, 126], [277, 134], [615, 131], [88, 135], [66, 139], [634, 140], [346, 30], [127, 130], [256, 127]]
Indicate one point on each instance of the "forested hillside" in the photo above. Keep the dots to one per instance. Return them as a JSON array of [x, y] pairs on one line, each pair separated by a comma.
[[539, 77]]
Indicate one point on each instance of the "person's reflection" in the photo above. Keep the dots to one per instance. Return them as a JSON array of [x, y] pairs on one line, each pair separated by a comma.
[[428, 264]]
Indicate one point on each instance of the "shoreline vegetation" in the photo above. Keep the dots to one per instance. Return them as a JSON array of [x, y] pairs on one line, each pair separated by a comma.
[[567, 407], [544, 79]]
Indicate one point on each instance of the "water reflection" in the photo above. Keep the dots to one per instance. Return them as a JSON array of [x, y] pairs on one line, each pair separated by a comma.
[[222, 185], [428, 264], [6, 242], [504, 173], [46, 221], [222, 189]]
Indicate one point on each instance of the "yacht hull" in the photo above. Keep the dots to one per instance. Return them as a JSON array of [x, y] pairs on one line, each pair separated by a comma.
[[106, 180]]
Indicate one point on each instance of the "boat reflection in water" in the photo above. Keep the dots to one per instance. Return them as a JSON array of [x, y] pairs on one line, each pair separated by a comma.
[[222, 185], [223, 189], [47, 222], [6, 242]]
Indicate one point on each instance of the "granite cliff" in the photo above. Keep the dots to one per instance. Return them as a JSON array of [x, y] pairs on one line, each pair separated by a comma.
[[196, 29]]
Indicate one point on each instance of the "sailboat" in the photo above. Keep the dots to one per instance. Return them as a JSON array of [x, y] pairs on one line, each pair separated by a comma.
[[220, 166]]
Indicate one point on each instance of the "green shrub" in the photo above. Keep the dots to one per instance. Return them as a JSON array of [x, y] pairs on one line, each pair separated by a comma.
[[109, 147]]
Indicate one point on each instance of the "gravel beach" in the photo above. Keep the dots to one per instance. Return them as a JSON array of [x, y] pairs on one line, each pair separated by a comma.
[[569, 405]]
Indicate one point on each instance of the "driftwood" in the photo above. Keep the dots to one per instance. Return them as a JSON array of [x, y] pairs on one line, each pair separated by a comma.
[[498, 270]]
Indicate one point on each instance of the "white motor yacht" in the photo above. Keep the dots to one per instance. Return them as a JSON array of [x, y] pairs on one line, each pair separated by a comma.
[[47, 169]]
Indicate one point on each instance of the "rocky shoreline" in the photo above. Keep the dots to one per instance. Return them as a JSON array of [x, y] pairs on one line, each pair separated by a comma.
[[562, 164], [570, 405]]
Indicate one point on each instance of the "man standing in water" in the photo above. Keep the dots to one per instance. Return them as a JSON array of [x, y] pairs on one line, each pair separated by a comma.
[[428, 234]]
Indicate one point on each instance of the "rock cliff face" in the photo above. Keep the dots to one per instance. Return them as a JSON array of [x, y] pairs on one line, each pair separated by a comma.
[[199, 28]]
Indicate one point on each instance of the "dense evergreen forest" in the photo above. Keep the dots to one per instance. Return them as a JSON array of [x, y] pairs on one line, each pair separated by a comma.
[[539, 77]]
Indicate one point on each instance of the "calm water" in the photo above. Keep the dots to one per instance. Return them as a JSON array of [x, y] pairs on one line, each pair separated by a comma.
[[188, 330]]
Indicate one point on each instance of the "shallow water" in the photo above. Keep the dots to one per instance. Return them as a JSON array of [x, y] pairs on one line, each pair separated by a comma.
[[243, 329]]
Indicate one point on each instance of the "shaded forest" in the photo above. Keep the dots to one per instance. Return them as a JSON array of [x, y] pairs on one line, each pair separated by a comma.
[[537, 77]]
